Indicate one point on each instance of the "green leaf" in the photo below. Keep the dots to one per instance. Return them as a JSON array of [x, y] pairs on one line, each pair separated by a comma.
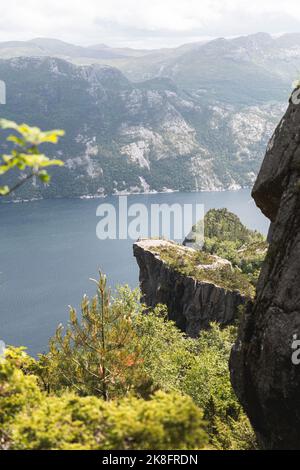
[[26, 152], [44, 176], [4, 190]]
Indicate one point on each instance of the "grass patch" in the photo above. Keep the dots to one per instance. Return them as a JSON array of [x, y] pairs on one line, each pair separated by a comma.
[[192, 263]]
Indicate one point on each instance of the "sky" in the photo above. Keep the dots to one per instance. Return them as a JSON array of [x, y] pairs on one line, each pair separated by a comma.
[[144, 23]]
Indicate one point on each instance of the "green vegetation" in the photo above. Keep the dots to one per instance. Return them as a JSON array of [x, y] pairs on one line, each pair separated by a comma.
[[226, 226], [146, 386], [120, 376], [227, 237], [100, 354], [31, 419], [192, 263], [26, 156]]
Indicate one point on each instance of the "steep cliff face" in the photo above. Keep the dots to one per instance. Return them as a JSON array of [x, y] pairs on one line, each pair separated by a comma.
[[192, 303], [263, 374]]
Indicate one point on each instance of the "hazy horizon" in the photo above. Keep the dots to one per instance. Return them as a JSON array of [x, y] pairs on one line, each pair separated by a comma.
[[106, 44], [145, 25]]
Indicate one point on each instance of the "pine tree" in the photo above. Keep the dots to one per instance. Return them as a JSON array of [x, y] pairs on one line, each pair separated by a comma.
[[99, 354]]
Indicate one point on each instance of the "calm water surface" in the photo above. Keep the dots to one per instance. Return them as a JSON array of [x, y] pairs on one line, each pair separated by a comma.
[[49, 250]]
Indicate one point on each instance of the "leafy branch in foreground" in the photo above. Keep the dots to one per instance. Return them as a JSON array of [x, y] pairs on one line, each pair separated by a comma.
[[26, 155]]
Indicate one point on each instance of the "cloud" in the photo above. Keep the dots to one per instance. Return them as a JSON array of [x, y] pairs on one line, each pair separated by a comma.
[[142, 23]]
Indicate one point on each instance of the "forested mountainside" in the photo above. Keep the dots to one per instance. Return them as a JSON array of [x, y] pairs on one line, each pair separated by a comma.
[[164, 133]]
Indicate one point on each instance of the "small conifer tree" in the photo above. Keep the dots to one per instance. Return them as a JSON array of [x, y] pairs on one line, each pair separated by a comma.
[[99, 354]]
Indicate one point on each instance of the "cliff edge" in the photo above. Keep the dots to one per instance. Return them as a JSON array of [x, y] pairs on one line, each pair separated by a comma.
[[196, 287]]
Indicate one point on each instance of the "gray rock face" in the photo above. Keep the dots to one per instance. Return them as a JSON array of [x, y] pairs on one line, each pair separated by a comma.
[[192, 304], [263, 374]]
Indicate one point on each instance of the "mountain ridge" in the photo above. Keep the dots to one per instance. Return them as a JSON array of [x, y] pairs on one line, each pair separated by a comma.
[[155, 134]]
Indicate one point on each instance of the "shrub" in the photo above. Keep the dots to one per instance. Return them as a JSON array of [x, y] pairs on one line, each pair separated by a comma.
[[178, 376], [17, 392], [70, 422], [167, 352], [208, 383]]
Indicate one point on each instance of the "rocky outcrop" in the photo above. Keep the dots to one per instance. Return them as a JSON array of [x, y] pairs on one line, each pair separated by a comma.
[[191, 303], [264, 376]]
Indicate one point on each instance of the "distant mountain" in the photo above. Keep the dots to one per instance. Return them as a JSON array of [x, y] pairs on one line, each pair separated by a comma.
[[42, 47], [135, 136], [247, 70]]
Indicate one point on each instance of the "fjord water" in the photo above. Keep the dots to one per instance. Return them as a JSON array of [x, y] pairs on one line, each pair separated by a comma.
[[49, 251]]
